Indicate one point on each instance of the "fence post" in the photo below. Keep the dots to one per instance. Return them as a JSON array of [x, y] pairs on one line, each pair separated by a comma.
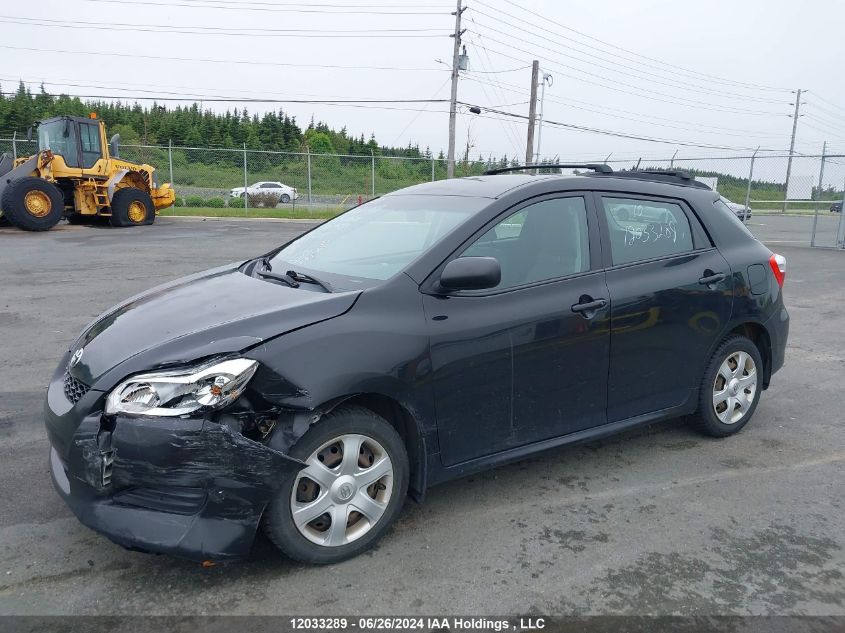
[[170, 159], [432, 168], [246, 198], [672, 161], [818, 196], [373, 163], [14, 146], [308, 154], [840, 232], [748, 190]]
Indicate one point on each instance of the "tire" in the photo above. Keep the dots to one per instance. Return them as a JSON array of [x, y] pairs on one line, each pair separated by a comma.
[[284, 199], [736, 359], [345, 426], [33, 204], [132, 207]]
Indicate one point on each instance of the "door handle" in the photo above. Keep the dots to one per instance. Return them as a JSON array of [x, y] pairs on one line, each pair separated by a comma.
[[712, 278], [586, 307]]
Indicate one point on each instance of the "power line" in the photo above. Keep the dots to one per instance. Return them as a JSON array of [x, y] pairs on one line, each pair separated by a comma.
[[217, 61], [835, 105], [300, 8], [616, 66], [509, 128], [697, 103], [164, 28], [597, 108], [637, 137], [695, 74]]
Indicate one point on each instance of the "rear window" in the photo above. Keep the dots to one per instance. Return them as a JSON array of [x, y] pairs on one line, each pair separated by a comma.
[[726, 210]]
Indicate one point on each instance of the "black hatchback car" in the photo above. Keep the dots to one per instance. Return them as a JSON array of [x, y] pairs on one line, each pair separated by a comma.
[[430, 333]]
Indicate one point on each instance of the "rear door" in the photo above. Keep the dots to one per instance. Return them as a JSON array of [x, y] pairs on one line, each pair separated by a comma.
[[671, 295]]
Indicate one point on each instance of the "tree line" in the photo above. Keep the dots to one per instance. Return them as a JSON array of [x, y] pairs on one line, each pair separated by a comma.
[[193, 126]]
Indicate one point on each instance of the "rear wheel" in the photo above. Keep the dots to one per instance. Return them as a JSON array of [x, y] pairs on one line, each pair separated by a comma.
[[730, 389], [285, 198], [351, 490], [132, 207], [33, 204]]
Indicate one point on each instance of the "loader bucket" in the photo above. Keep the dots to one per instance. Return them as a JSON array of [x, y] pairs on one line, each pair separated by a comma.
[[7, 174], [6, 163]]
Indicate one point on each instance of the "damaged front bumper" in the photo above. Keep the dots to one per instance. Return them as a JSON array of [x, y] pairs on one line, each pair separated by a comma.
[[190, 487]]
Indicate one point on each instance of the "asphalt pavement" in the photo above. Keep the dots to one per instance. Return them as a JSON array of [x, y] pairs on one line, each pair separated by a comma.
[[656, 521]]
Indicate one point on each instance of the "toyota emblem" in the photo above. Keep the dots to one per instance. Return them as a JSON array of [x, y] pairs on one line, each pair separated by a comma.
[[74, 360]]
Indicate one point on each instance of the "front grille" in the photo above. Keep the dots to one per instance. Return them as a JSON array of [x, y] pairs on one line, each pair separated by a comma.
[[74, 389]]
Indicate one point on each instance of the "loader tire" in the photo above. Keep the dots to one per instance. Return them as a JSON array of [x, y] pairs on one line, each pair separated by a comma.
[[33, 204], [132, 207]]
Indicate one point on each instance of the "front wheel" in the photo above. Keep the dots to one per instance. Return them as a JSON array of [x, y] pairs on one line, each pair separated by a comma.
[[351, 490], [32, 204], [731, 387], [285, 198]]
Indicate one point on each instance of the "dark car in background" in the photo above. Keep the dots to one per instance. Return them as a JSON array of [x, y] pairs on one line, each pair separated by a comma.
[[836, 207], [431, 333]]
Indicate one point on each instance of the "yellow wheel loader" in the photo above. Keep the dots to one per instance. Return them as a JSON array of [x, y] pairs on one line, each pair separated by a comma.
[[78, 175]]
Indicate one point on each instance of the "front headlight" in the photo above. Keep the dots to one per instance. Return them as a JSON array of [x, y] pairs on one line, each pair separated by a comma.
[[182, 391]]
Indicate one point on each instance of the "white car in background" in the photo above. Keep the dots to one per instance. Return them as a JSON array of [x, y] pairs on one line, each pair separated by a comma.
[[740, 210], [281, 190]]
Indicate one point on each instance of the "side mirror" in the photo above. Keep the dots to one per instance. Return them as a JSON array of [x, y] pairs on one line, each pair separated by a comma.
[[471, 273], [29, 133], [114, 146]]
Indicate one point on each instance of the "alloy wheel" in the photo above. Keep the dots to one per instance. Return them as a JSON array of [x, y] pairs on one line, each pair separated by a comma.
[[343, 491]]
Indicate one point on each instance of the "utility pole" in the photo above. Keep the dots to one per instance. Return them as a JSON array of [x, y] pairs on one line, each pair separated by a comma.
[[547, 79], [532, 111], [453, 103], [791, 148]]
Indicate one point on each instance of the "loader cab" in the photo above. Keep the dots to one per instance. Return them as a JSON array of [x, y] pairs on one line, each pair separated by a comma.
[[78, 140]]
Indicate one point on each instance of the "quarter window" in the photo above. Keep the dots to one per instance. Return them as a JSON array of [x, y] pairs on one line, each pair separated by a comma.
[[644, 229], [545, 240]]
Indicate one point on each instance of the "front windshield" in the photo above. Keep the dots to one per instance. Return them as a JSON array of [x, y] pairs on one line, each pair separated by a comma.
[[59, 137], [378, 239]]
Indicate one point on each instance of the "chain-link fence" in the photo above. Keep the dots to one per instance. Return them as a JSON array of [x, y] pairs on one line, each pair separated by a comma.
[[329, 183]]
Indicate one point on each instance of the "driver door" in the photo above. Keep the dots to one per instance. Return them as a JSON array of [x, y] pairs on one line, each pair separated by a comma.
[[521, 363]]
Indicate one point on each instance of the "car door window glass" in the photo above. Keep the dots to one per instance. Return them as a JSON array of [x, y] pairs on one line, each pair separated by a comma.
[[644, 229], [545, 240]]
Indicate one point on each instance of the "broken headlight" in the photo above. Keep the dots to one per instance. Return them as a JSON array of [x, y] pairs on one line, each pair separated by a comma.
[[182, 391]]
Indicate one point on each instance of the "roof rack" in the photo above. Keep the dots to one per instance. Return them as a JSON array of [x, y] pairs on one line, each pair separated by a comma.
[[599, 168], [672, 176]]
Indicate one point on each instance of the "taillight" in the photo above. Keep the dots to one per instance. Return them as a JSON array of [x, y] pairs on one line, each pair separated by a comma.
[[778, 264]]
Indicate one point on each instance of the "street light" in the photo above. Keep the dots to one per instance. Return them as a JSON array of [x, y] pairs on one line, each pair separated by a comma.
[[547, 79]]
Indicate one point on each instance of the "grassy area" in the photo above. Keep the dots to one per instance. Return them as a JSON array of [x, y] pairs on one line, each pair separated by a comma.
[[310, 213]]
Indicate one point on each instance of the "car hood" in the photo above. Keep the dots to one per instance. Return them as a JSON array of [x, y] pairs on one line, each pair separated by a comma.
[[220, 311]]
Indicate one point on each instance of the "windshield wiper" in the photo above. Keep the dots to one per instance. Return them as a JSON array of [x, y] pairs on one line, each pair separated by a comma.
[[309, 279], [266, 273]]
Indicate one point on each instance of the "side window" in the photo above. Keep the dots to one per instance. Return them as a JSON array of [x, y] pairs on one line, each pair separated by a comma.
[[545, 240], [89, 136], [642, 229]]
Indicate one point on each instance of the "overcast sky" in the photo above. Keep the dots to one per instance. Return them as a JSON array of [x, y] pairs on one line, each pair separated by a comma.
[[727, 57]]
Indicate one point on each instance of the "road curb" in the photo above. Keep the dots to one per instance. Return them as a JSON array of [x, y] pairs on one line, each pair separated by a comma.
[[241, 219]]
